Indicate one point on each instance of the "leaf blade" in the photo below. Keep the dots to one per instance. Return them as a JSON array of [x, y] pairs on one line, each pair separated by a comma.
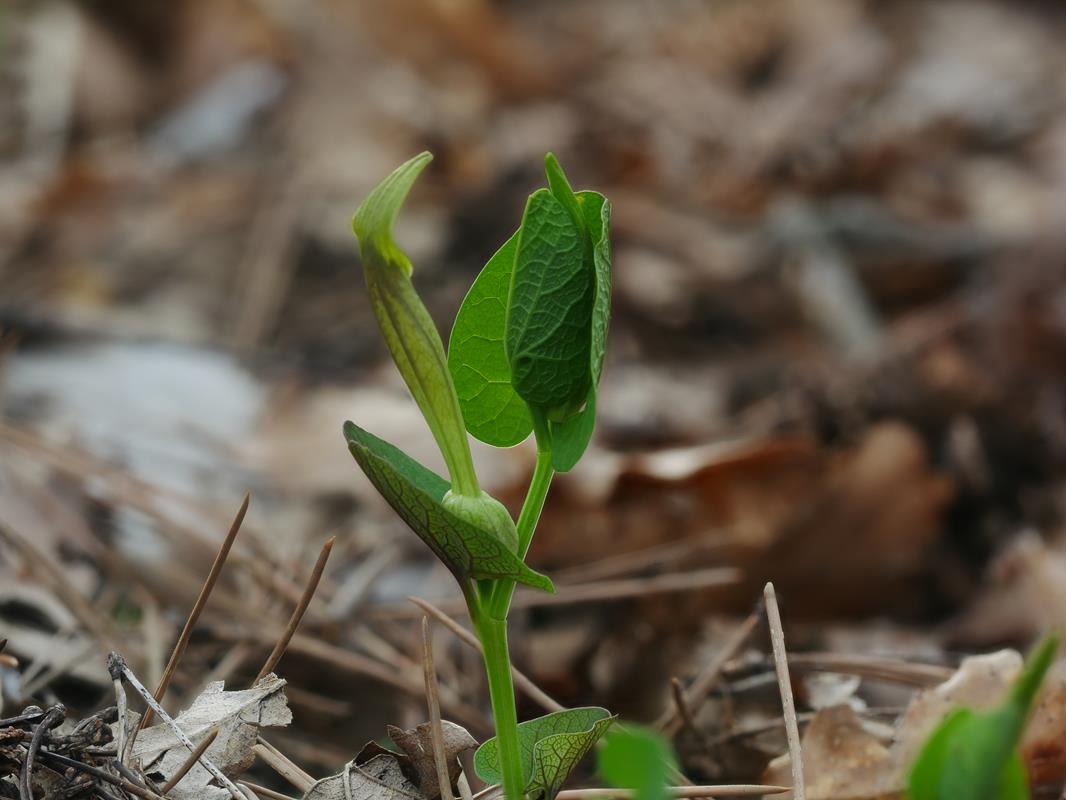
[[551, 746], [549, 319], [416, 494], [477, 356]]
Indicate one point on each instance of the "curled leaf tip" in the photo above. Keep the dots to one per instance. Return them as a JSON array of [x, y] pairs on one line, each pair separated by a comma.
[[374, 218]]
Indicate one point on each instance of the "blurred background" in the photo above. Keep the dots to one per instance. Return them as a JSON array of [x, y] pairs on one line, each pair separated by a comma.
[[836, 357]]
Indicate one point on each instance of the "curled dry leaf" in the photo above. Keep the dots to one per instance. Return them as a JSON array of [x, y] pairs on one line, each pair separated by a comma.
[[238, 715], [382, 774], [844, 760], [417, 744]]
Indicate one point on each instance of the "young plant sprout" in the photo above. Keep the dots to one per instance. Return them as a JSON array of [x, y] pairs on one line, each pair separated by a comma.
[[525, 356]]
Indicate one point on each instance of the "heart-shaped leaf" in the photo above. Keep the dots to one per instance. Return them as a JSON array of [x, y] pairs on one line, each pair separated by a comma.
[[551, 746], [416, 494], [477, 358], [975, 755], [480, 354]]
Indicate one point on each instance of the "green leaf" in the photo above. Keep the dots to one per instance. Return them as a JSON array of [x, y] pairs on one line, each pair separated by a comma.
[[417, 494], [477, 358], [571, 438], [597, 212], [636, 758], [974, 755], [549, 319], [406, 325], [551, 746]]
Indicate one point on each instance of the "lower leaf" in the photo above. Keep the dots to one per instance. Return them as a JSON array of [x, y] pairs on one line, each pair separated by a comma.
[[551, 746], [417, 495]]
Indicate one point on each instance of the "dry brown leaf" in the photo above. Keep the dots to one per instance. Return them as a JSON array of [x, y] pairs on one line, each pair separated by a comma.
[[380, 778], [842, 760], [417, 743], [238, 715], [382, 774]]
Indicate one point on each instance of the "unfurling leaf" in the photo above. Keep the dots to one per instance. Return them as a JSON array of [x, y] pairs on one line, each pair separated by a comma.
[[975, 755], [638, 759], [405, 324], [477, 358], [532, 331], [551, 746], [549, 321], [417, 495]]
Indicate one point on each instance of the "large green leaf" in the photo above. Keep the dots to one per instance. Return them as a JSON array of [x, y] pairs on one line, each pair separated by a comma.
[[417, 494], [477, 358], [549, 319], [571, 437], [551, 746], [975, 755], [636, 758]]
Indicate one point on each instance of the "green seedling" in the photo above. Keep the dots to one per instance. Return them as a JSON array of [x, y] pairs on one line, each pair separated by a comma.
[[526, 354], [974, 756], [638, 759]]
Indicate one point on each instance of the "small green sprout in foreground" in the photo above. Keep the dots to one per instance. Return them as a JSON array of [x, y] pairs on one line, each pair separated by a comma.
[[974, 756], [638, 759], [526, 353]]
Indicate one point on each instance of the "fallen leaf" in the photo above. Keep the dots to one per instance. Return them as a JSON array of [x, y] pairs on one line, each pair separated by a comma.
[[380, 778], [841, 760], [417, 744], [844, 760], [238, 715]]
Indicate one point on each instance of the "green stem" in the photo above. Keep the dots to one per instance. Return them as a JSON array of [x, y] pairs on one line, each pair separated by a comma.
[[500, 600], [493, 634]]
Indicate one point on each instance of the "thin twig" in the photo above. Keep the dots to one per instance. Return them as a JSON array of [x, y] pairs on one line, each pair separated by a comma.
[[283, 765], [104, 775], [601, 591], [116, 664], [198, 607], [264, 791], [194, 756], [873, 667], [784, 683], [684, 713], [55, 715], [669, 722], [440, 758], [298, 612], [122, 707], [522, 681], [464, 787], [735, 790]]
